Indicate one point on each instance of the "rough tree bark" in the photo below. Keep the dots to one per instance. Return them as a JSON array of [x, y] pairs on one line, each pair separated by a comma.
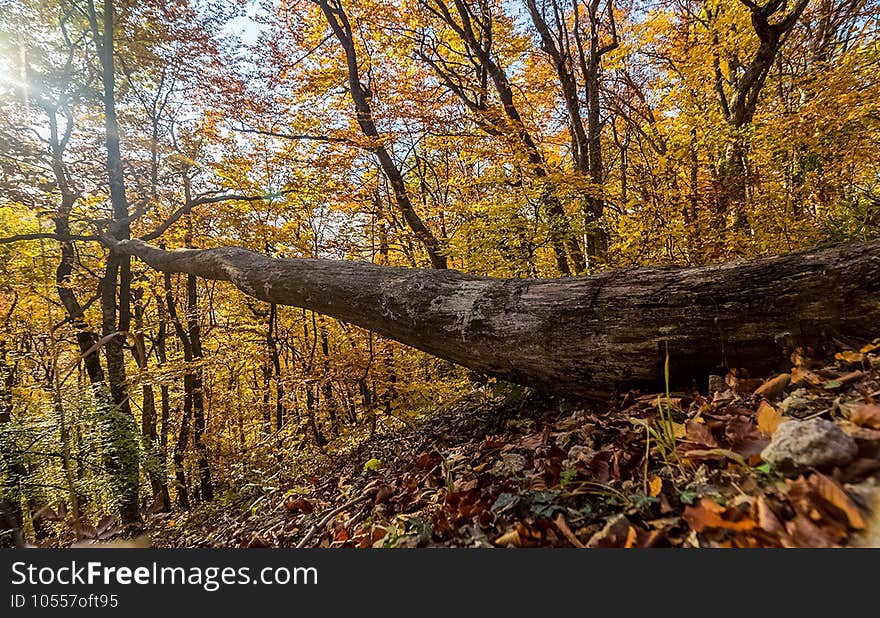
[[583, 336]]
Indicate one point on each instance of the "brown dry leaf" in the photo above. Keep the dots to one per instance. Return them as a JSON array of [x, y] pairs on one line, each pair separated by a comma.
[[665, 507], [864, 434], [570, 536], [141, 541], [613, 534], [536, 482], [529, 536], [257, 541], [805, 533], [699, 433], [509, 539], [709, 514], [493, 442], [746, 386], [300, 505], [801, 376], [835, 495], [744, 437], [767, 519], [384, 494], [377, 535], [769, 418], [717, 454], [866, 415], [774, 388], [531, 442], [655, 485], [673, 403]]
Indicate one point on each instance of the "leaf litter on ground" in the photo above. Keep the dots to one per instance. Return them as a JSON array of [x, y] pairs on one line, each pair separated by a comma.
[[677, 469]]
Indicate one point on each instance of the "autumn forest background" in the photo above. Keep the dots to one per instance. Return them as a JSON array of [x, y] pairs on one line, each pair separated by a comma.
[[508, 138]]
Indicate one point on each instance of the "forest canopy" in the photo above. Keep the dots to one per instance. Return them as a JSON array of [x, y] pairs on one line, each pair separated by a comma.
[[512, 139]]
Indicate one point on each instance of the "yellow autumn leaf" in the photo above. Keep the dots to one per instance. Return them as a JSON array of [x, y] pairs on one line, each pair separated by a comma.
[[849, 356], [871, 347], [631, 538], [654, 486], [510, 538], [769, 418]]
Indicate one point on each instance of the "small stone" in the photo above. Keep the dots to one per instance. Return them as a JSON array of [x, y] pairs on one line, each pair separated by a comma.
[[774, 388], [796, 404], [817, 443], [717, 385]]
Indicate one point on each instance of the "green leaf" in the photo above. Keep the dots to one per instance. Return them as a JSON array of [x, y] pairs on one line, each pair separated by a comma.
[[687, 496]]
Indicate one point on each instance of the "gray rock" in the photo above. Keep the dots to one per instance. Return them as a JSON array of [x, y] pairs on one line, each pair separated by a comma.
[[717, 385], [799, 445]]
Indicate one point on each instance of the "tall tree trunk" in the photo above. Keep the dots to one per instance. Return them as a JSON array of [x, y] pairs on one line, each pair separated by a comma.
[[164, 400], [118, 426], [11, 514], [189, 335], [576, 336], [66, 459], [733, 193], [337, 18], [179, 454], [475, 32], [772, 25], [87, 340], [326, 383], [197, 394], [266, 402], [149, 430], [591, 64], [311, 417], [275, 360]]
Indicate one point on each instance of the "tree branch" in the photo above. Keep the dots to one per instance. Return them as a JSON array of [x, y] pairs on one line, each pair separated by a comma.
[[47, 236], [226, 197]]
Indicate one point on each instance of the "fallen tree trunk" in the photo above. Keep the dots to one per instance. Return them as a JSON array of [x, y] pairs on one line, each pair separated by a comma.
[[582, 336]]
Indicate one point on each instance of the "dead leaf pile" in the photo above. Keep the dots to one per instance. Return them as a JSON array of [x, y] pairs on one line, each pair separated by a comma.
[[680, 469]]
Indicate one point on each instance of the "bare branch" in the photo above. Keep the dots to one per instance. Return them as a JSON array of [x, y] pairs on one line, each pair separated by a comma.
[[300, 136], [212, 199], [47, 236]]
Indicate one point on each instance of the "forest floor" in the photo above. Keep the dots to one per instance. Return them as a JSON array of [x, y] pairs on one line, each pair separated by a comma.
[[644, 470]]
